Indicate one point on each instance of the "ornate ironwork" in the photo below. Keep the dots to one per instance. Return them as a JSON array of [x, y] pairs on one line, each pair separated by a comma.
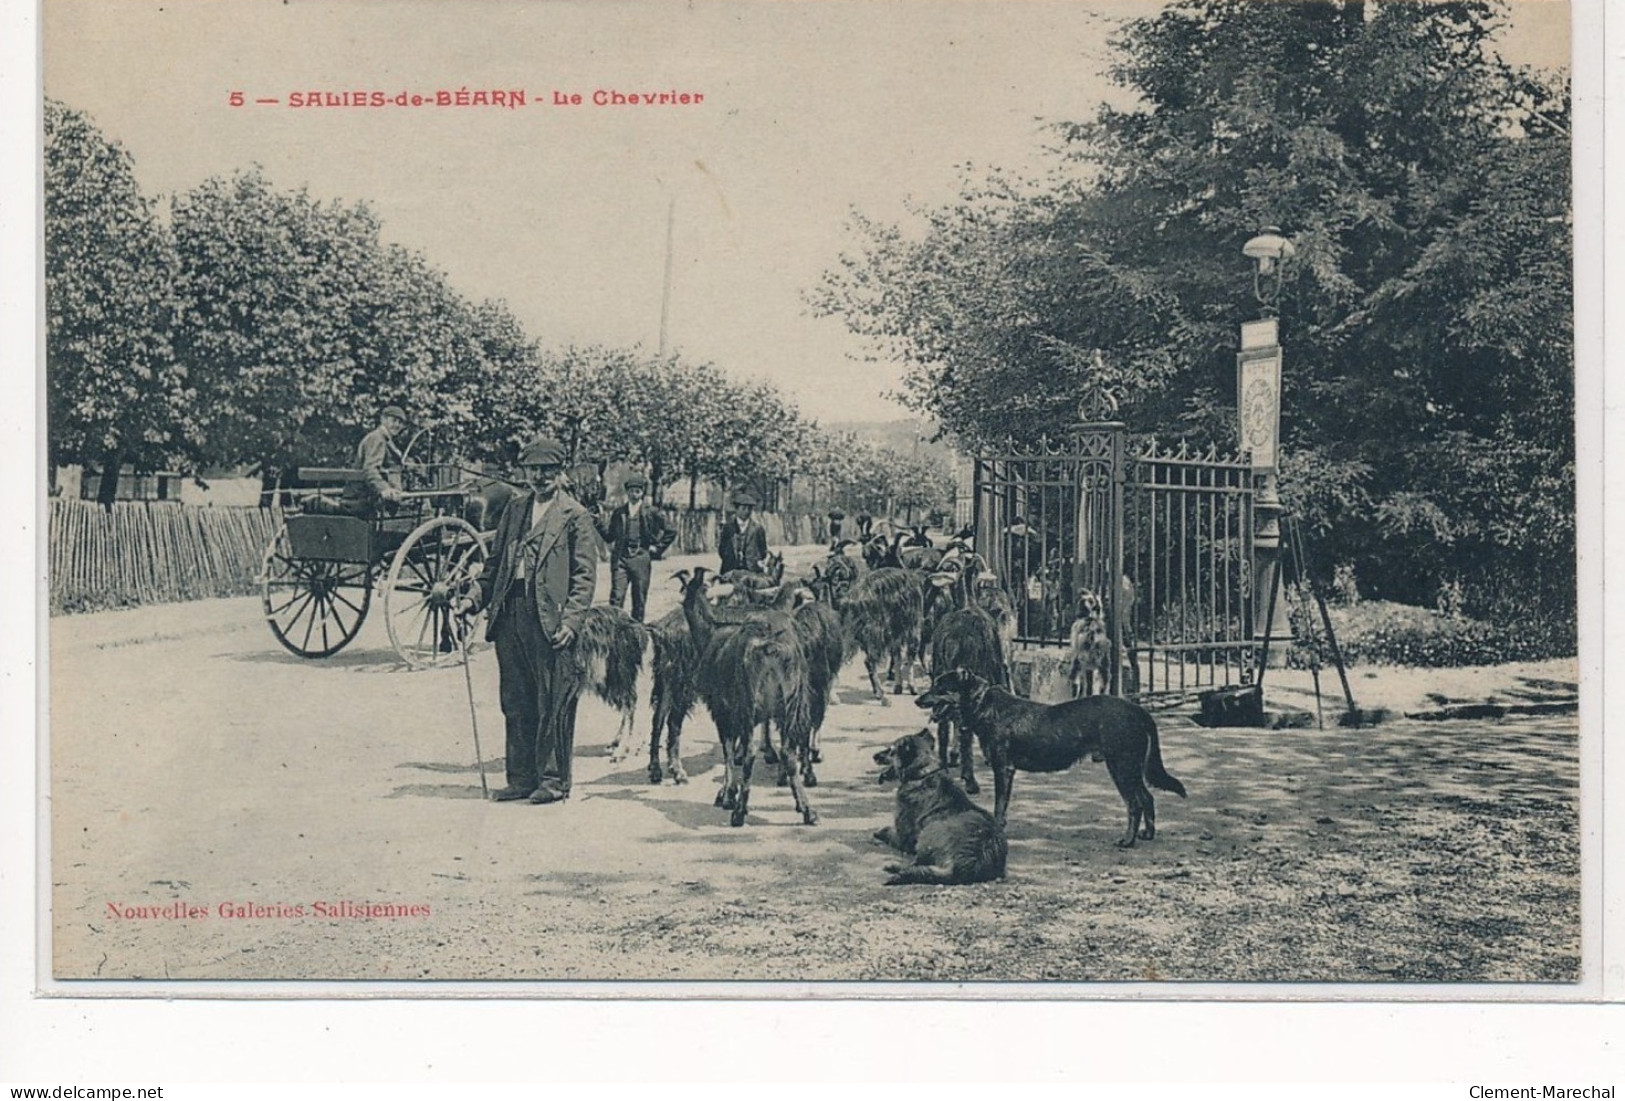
[[1164, 536], [1099, 405]]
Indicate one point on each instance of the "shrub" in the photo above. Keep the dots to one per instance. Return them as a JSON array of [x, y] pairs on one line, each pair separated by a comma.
[[1384, 633]]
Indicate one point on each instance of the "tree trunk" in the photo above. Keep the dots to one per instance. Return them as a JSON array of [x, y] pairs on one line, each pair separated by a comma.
[[107, 488], [693, 489], [657, 474]]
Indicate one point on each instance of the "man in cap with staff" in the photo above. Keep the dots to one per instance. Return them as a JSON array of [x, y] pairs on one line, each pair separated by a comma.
[[636, 534], [537, 583]]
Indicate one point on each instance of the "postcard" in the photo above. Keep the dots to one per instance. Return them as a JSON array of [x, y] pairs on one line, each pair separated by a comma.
[[946, 499]]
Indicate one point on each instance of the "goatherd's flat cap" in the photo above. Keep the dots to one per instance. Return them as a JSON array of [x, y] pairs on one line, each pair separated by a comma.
[[542, 451], [394, 411], [747, 498], [635, 479]]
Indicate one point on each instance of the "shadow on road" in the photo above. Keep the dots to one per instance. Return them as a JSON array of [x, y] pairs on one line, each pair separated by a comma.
[[495, 763], [357, 661], [638, 772], [437, 791]]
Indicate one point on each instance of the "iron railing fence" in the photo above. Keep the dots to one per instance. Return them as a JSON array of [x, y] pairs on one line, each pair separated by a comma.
[[1164, 539]]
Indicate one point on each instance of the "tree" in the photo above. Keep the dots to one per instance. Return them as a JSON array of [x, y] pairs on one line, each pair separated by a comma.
[[115, 391], [1426, 319], [300, 325]]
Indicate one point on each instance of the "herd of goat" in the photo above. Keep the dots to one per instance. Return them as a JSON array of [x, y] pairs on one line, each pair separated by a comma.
[[762, 651]]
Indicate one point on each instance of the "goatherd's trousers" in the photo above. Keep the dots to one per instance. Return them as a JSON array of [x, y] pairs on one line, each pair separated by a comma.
[[538, 701]]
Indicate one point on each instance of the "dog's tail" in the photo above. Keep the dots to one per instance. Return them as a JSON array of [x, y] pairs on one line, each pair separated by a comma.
[[1155, 774]]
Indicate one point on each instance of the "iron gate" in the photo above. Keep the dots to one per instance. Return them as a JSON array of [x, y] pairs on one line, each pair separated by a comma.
[[1164, 538]]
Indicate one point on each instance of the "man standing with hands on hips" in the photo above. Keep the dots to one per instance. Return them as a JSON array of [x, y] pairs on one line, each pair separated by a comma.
[[537, 583], [637, 534]]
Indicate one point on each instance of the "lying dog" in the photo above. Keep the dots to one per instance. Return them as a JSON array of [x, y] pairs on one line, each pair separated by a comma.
[[952, 839], [1018, 734]]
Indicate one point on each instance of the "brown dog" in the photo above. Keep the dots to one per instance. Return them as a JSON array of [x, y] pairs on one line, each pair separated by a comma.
[[952, 839]]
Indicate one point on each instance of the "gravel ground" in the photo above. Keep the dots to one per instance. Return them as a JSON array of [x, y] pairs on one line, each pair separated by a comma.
[[219, 789]]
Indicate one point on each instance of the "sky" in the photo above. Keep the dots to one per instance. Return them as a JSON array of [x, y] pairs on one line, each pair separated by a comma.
[[811, 108]]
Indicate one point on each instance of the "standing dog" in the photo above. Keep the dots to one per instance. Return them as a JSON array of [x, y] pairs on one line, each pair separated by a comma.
[[1090, 646], [1019, 734], [952, 839]]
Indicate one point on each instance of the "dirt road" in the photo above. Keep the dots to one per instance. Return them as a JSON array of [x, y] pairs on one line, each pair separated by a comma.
[[221, 809]]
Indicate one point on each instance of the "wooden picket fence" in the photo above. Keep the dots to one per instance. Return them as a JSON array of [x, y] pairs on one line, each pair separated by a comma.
[[153, 553]]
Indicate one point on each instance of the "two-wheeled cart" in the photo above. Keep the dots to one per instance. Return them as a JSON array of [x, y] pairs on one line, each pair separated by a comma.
[[323, 571]]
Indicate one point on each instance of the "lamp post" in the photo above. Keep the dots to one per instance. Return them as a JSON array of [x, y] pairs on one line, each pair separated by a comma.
[[1258, 411]]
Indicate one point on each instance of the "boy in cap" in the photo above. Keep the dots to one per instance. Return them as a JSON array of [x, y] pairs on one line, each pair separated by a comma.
[[537, 583], [636, 534], [742, 541]]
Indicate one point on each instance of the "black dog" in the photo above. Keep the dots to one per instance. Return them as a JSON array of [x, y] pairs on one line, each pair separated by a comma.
[[952, 839], [1019, 734]]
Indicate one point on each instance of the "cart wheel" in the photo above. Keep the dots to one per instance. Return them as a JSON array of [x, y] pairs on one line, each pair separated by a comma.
[[315, 607], [439, 562]]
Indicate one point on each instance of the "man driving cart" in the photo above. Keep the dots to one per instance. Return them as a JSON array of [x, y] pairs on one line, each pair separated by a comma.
[[379, 458]]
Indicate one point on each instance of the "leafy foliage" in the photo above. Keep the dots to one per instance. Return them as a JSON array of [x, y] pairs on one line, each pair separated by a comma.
[[1428, 395], [1382, 633], [116, 391]]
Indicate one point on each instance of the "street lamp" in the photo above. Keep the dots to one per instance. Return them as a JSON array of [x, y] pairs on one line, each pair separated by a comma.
[[1258, 413], [1269, 251]]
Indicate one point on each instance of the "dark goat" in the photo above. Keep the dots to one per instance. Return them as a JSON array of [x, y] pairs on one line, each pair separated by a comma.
[[771, 576], [815, 630], [752, 671], [881, 615], [989, 595], [824, 642], [921, 558], [838, 573], [606, 656], [879, 552], [676, 664], [965, 638]]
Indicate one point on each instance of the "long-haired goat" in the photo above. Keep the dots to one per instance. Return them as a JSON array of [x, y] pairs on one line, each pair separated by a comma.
[[770, 577], [990, 596], [879, 550], [965, 638], [824, 642], [881, 615], [676, 664], [918, 552], [606, 656], [752, 671]]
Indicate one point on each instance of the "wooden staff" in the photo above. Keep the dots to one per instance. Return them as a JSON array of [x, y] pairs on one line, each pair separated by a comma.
[[473, 718]]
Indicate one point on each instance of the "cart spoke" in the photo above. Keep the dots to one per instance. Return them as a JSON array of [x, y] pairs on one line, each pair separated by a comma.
[[338, 595], [294, 593], [308, 598], [423, 626]]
